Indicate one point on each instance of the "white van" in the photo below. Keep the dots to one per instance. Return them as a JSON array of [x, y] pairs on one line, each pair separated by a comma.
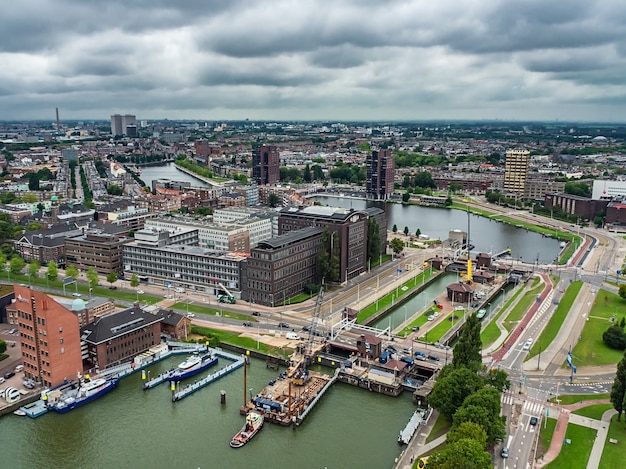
[[292, 336], [19, 368]]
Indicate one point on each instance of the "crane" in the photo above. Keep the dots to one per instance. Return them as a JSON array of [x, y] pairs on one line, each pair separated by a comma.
[[300, 373], [228, 297]]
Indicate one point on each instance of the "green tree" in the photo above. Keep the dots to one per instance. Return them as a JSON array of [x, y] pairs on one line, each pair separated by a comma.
[[467, 351], [396, 245], [498, 379], [406, 231], [112, 277], [469, 430], [306, 175], [33, 269], [622, 290], [451, 390], [72, 271], [482, 408], [418, 232], [92, 277], [462, 454], [53, 271], [3, 263], [424, 179], [618, 391], [134, 280], [16, 264], [373, 239], [273, 200], [318, 173], [394, 228], [614, 337], [406, 197]]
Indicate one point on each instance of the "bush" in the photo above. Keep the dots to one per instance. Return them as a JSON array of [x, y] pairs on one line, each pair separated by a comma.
[[3, 346], [614, 337]]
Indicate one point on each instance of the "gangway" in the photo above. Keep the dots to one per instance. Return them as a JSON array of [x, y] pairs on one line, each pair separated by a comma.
[[349, 324]]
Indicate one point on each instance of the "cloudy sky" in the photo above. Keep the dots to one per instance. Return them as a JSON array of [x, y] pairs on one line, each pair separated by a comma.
[[314, 59]]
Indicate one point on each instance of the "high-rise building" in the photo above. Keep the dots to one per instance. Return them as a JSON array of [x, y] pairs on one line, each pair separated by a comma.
[[266, 164], [120, 124], [516, 166], [380, 174], [50, 336]]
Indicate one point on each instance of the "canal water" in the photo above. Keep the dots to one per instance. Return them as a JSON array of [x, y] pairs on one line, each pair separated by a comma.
[[133, 428]]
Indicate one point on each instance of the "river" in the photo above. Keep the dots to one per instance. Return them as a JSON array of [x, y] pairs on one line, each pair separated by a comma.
[[133, 428]]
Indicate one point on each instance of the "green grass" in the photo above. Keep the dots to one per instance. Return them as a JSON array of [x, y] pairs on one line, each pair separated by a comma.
[[3, 356], [444, 326], [441, 427], [519, 310], [212, 310], [591, 350], [234, 338], [577, 453], [567, 399], [593, 411], [556, 321], [491, 333], [615, 455], [545, 436]]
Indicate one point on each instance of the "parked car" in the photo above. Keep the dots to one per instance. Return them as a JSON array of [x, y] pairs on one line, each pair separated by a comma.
[[140, 292], [1, 380], [433, 357], [12, 331], [19, 368], [191, 315], [505, 452], [431, 317], [76, 294], [283, 324], [9, 374]]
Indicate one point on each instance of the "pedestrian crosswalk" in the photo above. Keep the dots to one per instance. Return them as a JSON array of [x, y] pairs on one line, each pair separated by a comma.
[[530, 406]]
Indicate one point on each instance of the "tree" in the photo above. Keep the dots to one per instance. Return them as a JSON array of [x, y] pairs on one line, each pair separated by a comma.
[[618, 391], [396, 245], [462, 454], [134, 280], [418, 232], [72, 272], [33, 269], [614, 337], [406, 197], [92, 276], [498, 379], [394, 228], [424, 179], [622, 291], [306, 175], [16, 265], [112, 277], [406, 231], [451, 390], [273, 200], [482, 408], [53, 271], [467, 351], [318, 173], [373, 239], [3, 263], [469, 430]]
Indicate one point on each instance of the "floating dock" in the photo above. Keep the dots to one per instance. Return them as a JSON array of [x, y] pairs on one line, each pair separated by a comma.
[[416, 419], [238, 362]]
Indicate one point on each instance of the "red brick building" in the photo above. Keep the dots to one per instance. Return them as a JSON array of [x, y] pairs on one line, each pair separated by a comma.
[[50, 338]]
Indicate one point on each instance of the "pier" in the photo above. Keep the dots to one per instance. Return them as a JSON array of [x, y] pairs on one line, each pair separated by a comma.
[[237, 360], [416, 420]]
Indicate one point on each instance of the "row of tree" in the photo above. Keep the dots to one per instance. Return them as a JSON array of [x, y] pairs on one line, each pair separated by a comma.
[[469, 395]]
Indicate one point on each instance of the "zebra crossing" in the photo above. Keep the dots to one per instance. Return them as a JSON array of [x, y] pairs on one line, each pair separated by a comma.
[[532, 407]]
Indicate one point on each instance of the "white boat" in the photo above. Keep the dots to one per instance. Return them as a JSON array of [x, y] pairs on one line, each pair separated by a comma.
[[19, 412]]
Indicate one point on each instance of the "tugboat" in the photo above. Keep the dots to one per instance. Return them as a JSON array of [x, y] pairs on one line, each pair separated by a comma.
[[254, 422], [191, 366]]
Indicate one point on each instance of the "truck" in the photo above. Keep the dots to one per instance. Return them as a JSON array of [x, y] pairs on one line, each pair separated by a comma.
[[226, 299]]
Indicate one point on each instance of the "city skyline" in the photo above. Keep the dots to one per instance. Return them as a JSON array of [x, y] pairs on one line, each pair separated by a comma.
[[285, 60]]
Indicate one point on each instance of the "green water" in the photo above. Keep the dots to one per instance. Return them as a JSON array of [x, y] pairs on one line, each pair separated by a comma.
[[133, 428]]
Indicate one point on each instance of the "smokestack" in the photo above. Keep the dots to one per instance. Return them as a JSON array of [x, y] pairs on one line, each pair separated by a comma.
[[58, 124]]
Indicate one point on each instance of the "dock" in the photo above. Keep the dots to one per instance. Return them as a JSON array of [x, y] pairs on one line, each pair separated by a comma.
[[238, 362], [416, 420]]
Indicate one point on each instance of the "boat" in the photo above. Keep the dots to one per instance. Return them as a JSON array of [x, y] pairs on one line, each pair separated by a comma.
[[254, 422], [86, 391], [191, 366], [19, 412]]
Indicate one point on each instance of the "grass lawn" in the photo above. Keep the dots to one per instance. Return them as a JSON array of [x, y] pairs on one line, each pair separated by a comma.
[[577, 453], [615, 455], [417, 322], [212, 311], [521, 308], [593, 411], [444, 326], [556, 321], [591, 350], [567, 399], [545, 436], [442, 426], [492, 332]]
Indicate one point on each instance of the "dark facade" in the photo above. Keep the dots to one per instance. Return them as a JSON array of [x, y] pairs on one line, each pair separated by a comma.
[[378, 215], [266, 165], [98, 250], [350, 226], [583, 207], [279, 268], [615, 215], [380, 174]]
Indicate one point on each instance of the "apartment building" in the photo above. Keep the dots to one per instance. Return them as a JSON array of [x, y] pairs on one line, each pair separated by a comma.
[[102, 251], [232, 237], [516, 166]]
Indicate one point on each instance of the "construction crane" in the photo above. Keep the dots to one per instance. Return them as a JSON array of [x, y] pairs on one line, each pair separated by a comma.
[[228, 297], [300, 372]]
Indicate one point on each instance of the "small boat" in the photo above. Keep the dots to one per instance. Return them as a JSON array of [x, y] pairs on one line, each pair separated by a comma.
[[254, 422], [191, 366], [86, 391], [19, 412]]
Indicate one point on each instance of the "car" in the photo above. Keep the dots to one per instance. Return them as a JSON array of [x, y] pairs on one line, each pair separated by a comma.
[[140, 292], [459, 308], [407, 351], [255, 313], [533, 421], [247, 324], [179, 290], [528, 344], [76, 294], [9, 374], [505, 452], [420, 357], [168, 297], [392, 348], [306, 328], [415, 328], [19, 368], [191, 315], [432, 357], [1, 379], [283, 324], [475, 305], [431, 317], [29, 384], [12, 331], [112, 287]]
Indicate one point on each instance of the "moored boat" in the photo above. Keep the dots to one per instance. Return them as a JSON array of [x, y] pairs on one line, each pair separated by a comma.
[[191, 366], [86, 391], [254, 422], [19, 412]]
